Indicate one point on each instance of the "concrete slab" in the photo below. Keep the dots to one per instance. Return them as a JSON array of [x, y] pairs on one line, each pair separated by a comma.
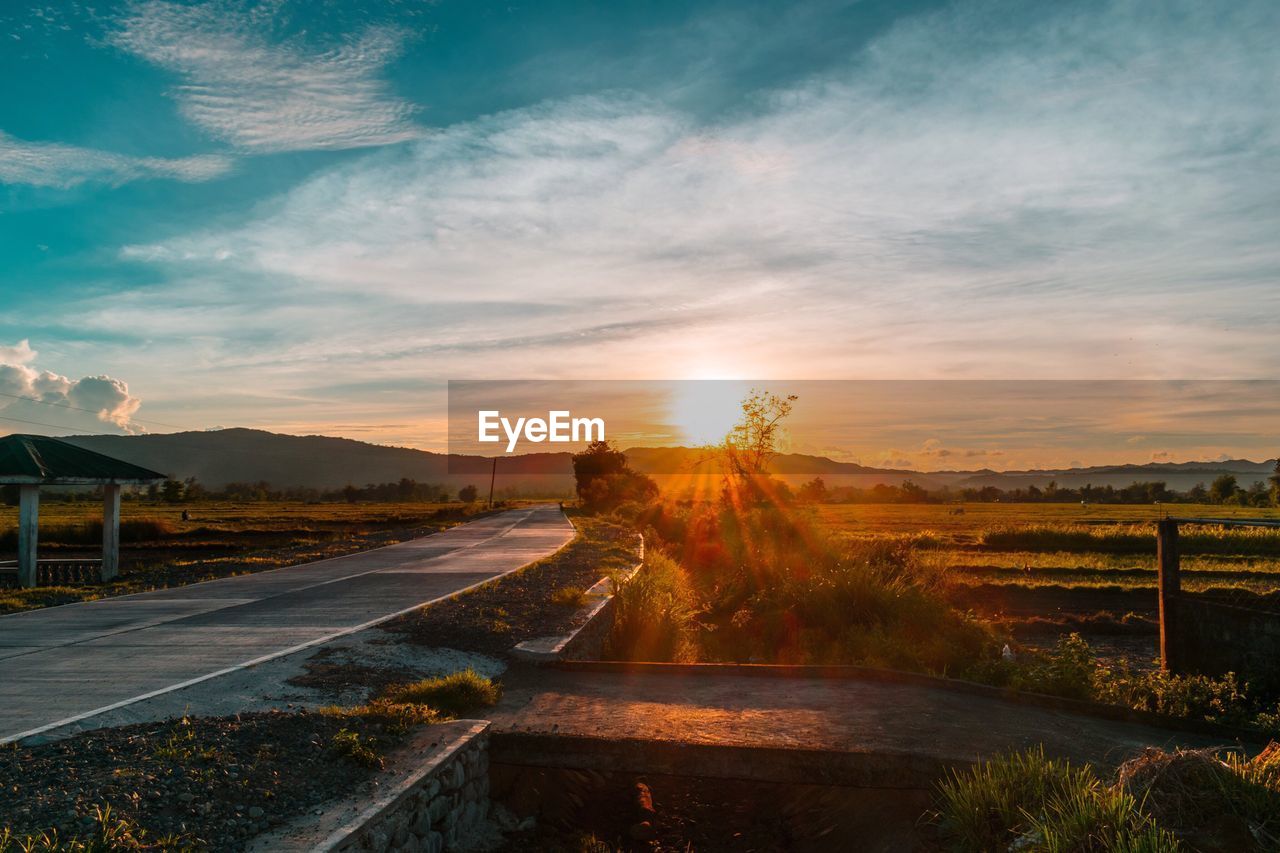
[[908, 723], [65, 664]]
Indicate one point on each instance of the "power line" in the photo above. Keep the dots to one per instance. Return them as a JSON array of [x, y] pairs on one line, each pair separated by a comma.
[[81, 409]]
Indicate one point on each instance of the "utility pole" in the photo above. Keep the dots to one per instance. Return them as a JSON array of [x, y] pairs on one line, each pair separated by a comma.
[[492, 476]]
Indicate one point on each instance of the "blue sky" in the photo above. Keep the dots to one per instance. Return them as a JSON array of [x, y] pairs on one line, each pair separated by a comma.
[[308, 216]]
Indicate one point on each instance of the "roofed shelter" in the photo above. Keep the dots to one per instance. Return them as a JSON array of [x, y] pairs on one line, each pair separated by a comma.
[[32, 461]]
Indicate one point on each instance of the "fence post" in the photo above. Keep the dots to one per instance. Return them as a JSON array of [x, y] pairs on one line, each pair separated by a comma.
[[1170, 584]]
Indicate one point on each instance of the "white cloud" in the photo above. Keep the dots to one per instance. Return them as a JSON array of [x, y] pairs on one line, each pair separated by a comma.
[[1079, 197], [30, 397], [263, 96], [19, 353], [50, 164]]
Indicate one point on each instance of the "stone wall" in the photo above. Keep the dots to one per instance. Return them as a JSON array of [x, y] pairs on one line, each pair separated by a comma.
[[432, 810]]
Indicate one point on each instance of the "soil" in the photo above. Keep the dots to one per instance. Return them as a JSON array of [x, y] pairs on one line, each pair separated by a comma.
[[208, 783], [518, 607], [326, 671]]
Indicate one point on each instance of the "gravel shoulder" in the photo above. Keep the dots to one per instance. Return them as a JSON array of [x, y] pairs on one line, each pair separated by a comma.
[[521, 606]]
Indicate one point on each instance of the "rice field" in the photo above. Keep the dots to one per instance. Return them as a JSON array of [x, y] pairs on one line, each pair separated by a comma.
[[1071, 545], [1047, 569]]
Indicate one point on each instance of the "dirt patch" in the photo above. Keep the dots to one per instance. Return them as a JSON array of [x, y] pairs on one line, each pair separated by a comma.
[[327, 672], [521, 606], [212, 783]]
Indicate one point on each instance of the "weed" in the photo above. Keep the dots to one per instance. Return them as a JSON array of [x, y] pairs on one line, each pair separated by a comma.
[[455, 695], [569, 596], [361, 750]]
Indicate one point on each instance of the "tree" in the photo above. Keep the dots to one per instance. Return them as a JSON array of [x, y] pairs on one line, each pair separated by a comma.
[[172, 491], [1223, 488], [604, 480], [814, 491], [752, 442], [467, 494], [1275, 485]]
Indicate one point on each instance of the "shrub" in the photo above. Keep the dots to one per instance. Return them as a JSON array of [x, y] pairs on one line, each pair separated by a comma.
[[456, 694], [1028, 802], [351, 746], [653, 612], [1071, 670]]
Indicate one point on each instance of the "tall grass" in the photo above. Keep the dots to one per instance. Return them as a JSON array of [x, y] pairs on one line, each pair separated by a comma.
[[1028, 802], [90, 532], [767, 584], [1129, 539], [653, 612], [1157, 801]]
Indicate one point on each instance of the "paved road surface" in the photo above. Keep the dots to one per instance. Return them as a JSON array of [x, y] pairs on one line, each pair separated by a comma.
[[64, 663]]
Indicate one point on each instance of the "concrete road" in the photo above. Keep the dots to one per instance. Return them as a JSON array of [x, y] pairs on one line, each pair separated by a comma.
[[64, 664], [900, 732]]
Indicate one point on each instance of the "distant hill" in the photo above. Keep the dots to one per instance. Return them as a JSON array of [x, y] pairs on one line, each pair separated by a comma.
[[219, 457]]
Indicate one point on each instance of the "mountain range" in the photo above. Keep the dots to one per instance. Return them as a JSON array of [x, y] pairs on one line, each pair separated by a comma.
[[218, 457]]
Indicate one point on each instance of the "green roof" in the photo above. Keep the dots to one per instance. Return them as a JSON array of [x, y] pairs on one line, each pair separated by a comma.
[[39, 459]]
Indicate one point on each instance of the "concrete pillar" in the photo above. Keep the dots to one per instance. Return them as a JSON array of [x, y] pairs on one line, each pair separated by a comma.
[[1169, 581], [28, 534], [110, 531]]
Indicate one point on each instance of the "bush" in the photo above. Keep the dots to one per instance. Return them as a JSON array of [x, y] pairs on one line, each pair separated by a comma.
[[653, 611], [1028, 802], [362, 751], [456, 695], [1071, 670]]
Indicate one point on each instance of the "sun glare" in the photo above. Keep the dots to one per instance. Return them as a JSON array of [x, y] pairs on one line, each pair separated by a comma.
[[704, 411]]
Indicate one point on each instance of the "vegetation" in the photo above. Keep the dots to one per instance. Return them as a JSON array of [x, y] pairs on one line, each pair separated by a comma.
[[1156, 802], [454, 695], [604, 480], [109, 832], [652, 614], [1072, 670], [1224, 491], [569, 596]]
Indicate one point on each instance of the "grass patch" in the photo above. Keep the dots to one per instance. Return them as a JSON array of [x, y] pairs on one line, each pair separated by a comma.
[[109, 832], [1129, 539], [1072, 670], [569, 596], [362, 750], [653, 612], [1157, 802], [456, 695], [1028, 802]]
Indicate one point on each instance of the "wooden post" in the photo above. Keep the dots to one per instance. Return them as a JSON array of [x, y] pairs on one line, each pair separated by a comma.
[[110, 531], [1170, 583], [28, 535], [493, 475]]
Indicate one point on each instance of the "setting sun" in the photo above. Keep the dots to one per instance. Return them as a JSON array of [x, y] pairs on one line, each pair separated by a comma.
[[704, 412]]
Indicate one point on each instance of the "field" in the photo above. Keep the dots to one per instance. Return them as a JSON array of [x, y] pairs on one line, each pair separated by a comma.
[[159, 548], [1048, 568]]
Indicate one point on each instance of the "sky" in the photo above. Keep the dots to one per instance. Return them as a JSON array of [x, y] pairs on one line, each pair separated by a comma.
[[309, 216]]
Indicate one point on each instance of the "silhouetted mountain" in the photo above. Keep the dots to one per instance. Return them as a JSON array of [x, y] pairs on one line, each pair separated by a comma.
[[219, 457]]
